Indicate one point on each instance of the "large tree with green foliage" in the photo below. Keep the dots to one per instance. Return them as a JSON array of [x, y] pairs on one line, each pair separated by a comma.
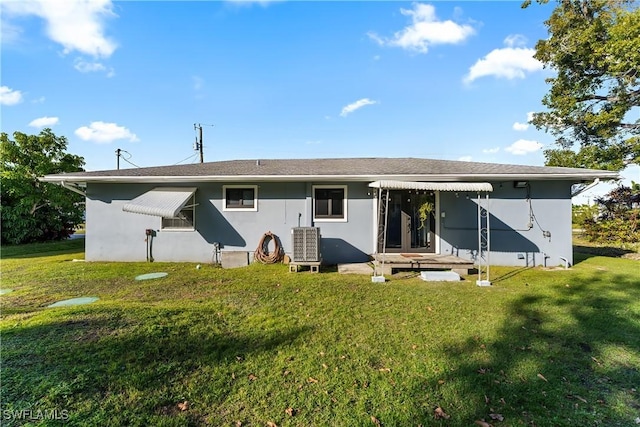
[[617, 219], [593, 101], [34, 211]]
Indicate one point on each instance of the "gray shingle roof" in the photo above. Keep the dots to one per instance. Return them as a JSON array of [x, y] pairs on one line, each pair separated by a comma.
[[348, 168]]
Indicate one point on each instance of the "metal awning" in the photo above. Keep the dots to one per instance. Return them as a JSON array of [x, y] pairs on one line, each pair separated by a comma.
[[166, 202], [433, 186]]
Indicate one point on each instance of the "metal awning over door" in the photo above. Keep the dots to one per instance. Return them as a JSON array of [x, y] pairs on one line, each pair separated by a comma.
[[484, 239], [481, 187], [166, 202]]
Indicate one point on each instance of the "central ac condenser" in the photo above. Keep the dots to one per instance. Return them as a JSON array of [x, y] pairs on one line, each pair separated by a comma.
[[306, 244]]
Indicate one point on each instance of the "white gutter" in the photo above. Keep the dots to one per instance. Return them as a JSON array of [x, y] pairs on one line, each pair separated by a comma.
[[588, 187], [319, 178], [73, 188]]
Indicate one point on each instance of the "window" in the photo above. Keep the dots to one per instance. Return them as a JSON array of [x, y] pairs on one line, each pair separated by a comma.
[[240, 198], [330, 203], [185, 219]]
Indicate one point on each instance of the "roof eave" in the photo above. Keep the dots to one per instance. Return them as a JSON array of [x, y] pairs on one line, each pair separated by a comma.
[[351, 178], [586, 176]]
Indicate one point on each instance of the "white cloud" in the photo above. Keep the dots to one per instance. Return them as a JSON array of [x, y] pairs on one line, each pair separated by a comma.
[[9, 96], [198, 86], [91, 67], [263, 3], [523, 146], [105, 133], [198, 82], [88, 67], [425, 30], [523, 126], [457, 12], [78, 25], [509, 62], [491, 150], [9, 33], [44, 122], [515, 40], [38, 100], [356, 105], [465, 158]]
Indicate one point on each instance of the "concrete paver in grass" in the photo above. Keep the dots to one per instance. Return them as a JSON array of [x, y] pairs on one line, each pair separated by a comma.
[[356, 268], [74, 301], [150, 276]]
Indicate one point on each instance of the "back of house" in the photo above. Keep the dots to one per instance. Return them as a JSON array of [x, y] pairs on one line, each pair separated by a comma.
[[516, 215]]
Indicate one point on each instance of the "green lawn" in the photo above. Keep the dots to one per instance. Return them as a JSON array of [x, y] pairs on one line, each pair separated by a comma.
[[261, 345]]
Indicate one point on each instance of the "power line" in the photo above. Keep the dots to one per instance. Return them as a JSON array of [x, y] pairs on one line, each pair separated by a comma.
[[131, 163], [184, 160], [126, 159]]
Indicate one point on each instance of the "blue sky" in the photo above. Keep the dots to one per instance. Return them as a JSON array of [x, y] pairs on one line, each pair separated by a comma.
[[282, 79]]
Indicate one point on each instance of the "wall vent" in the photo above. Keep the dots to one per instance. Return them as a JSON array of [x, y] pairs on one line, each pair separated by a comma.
[[306, 244]]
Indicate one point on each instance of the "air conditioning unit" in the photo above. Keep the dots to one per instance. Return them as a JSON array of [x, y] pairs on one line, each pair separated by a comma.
[[306, 244]]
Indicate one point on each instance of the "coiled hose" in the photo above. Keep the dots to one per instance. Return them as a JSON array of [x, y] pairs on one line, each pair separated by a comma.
[[262, 253]]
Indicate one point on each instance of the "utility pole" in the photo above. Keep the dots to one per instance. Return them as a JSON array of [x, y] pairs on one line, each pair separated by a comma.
[[118, 158], [199, 141]]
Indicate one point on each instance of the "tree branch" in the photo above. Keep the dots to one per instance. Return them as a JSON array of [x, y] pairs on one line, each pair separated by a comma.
[[629, 125], [35, 207], [594, 97]]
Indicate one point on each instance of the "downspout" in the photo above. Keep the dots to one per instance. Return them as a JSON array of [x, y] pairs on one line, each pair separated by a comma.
[[73, 188]]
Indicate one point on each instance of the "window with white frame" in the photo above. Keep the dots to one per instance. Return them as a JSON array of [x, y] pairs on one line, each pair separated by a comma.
[[240, 197], [185, 219], [330, 203]]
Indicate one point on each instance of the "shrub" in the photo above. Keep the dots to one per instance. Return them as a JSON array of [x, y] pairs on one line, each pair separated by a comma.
[[618, 218]]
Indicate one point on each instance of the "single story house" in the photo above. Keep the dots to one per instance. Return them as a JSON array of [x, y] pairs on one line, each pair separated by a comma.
[[520, 215]]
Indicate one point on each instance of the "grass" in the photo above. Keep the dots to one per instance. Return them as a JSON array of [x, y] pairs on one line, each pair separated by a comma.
[[260, 345], [619, 249]]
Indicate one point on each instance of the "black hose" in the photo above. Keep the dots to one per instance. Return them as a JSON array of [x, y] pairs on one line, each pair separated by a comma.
[[149, 241], [151, 248]]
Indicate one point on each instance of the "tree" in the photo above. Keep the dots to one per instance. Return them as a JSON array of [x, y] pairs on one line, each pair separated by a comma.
[[618, 219], [618, 202], [594, 46], [34, 211]]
